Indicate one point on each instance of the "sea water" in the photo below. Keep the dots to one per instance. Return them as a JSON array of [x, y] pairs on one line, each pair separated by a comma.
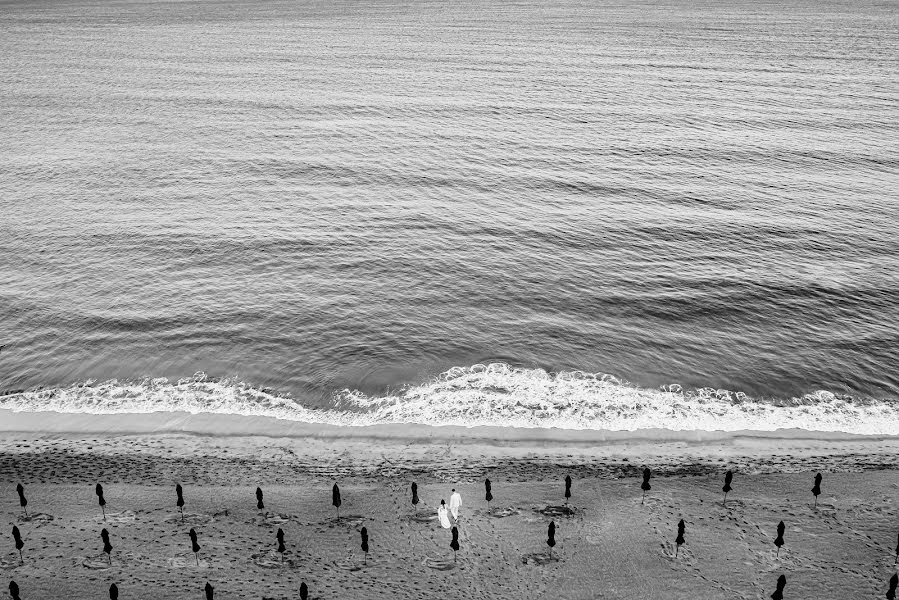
[[576, 214]]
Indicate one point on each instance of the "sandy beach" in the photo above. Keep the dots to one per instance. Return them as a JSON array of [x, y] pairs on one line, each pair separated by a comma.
[[612, 546]]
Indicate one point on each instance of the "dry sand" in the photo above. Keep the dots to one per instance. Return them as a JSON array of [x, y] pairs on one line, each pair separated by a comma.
[[611, 547]]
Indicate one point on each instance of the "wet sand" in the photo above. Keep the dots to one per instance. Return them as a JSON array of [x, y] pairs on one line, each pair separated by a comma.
[[612, 546]]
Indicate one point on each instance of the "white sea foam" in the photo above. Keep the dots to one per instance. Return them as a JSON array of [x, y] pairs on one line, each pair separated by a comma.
[[486, 395]]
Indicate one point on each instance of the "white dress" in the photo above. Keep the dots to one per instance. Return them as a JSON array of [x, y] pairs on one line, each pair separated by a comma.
[[444, 519], [455, 503]]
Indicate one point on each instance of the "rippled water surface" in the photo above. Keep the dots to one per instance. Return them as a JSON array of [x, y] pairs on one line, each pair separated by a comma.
[[318, 196]]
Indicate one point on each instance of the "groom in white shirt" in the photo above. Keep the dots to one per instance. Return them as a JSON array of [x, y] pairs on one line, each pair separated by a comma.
[[455, 503]]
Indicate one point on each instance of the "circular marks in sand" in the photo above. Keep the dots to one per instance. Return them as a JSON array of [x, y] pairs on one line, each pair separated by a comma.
[[272, 559], [189, 519], [348, 564], [36, 519], [268, 519], [556, 511], [672, 553], [187, 561], [440, 563], [7, 563], [539, 558], [501, 513], [126, 516], [422, 517], [346, 521]]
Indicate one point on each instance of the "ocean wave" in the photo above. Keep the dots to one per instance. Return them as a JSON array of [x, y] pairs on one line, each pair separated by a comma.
[[494, 395]]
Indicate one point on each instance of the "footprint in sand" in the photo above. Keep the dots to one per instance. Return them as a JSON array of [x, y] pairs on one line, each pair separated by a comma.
[[36, 519], [539, 558], [272, 559], [190, 519], [440, 564]]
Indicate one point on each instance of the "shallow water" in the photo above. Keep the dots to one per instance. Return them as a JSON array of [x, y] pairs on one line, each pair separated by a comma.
[[316, 197]]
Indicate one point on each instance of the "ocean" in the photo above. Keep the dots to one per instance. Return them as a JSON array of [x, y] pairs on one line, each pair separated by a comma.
[[571, 214]]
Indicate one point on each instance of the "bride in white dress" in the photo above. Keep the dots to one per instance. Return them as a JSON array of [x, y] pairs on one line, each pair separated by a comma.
[[443, 516]]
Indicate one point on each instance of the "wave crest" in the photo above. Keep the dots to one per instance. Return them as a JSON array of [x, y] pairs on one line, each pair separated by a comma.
[[486, 395]]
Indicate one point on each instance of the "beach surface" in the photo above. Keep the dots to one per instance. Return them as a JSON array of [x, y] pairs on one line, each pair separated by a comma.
[[611, 546]]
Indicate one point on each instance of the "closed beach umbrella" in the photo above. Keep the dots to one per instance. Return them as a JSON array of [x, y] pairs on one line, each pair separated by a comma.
[[194, 545], [335, 499], [455, 543], [488, 495], [180, 502], [551, 536], [17, 538], [281, 547], [779, 592], [816, 490], [779, 540], [23, 502], [364, 533], [113, 592], [415, 496], [209, 590], [891, 593], [107, 547], [259, 503], [680, 537], [567, 488], [14, 590], [645, 485], [101, 499], [728, 478], [304, 591]]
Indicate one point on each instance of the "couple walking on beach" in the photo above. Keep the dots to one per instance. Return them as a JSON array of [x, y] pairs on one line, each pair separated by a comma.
[[454, 505]]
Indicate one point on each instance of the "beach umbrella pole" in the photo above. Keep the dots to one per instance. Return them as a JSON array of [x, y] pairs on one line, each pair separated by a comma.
[[197, 556], [644, 497]]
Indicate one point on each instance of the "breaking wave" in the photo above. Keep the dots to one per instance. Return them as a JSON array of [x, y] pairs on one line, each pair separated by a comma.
[[485, 395]]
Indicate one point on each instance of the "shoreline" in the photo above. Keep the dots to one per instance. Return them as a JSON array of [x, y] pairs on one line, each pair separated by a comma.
[[226, 425]]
